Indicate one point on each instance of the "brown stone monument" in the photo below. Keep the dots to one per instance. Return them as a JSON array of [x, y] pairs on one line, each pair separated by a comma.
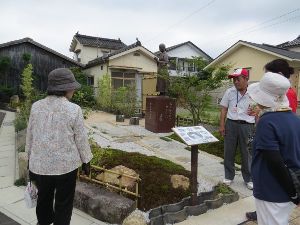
[[161, 110], [160, 114]]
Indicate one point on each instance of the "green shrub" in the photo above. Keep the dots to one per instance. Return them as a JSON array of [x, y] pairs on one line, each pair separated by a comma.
[[21, 121], [124, 101], [6, 93], [20, 182], [104, 93], [224, 189], [85, 95]]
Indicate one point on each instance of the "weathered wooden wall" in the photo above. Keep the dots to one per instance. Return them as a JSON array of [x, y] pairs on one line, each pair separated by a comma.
[[43, 62]]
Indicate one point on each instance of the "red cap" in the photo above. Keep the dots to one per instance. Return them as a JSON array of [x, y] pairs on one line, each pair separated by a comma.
[[239, 72]]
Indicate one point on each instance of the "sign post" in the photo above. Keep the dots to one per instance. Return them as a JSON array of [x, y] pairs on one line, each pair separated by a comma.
[[193, 136], [194, 173]]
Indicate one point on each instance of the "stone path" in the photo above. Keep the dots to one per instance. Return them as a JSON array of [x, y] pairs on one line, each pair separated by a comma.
[[12, 205], [132, 138], [109, 133]]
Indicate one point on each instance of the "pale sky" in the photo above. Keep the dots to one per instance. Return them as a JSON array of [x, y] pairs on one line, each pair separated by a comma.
[[213, 25]]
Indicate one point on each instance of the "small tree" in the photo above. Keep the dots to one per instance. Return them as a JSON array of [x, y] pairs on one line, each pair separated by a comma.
[[193, 90], [104, 93], [26, 85], [124, 100]]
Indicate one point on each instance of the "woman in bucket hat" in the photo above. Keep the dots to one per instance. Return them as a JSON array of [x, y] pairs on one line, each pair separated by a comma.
[[276, 146], [282, 67], [57, 144]]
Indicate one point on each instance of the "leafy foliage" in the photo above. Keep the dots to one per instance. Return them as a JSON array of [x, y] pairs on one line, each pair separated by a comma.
[[193, 90], [26, 58], [224, 189], [30, 95], [26, 85], [124, 100], [27, 90], [5, 63], [104, 93], [85, 95]]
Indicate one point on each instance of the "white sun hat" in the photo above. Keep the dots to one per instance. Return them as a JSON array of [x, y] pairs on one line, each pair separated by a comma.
[[270, 91]]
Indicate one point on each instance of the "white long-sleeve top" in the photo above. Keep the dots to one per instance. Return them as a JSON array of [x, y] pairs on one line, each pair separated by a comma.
[[56, 140]]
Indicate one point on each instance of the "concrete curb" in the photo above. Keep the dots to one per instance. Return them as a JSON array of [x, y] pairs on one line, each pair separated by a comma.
[[178, 212]]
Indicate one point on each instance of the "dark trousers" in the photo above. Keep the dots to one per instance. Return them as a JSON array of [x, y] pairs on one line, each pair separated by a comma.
[[57, 189], [237, 134]]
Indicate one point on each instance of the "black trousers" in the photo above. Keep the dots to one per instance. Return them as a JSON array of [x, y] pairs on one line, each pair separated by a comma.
[[57, 189]]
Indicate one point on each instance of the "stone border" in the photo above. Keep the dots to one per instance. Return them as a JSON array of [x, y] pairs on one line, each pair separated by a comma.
[[2, 116], [178, 212]]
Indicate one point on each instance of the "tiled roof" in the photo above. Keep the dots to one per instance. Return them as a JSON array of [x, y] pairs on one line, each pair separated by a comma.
[[104, 58], [270, 49], [187, 42], [99, 42], [29, 40], [288, 44], [277, 50]]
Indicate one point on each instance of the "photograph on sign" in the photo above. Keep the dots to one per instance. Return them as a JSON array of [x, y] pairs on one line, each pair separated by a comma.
[[194, 135]]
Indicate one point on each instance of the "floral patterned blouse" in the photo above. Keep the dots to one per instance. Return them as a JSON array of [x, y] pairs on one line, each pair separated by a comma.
[[56, 140]]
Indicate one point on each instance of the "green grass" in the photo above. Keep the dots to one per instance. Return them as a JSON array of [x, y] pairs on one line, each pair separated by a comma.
[[20, 182], [166, 139], [224, 189], [155, 187], [214, 148]]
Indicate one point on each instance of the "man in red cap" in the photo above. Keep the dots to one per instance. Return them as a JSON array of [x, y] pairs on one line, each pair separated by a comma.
[[236, 126]]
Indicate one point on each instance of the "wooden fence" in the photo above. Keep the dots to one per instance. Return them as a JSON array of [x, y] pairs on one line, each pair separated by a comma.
[[95, 170]]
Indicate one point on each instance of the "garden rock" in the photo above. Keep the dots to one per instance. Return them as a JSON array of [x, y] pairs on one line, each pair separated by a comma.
[[116, 178], [23, 163], [134, 121], [102, 204], [180, 181], [135, 218], [14, 100], [120, 118], [20, 138]]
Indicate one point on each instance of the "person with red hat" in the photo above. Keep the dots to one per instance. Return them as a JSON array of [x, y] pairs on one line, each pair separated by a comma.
[[236, 126]]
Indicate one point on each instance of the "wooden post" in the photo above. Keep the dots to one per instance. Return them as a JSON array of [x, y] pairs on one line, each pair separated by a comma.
[[194, 171]]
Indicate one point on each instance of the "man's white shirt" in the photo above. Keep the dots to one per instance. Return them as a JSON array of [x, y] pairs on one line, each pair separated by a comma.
[[237, 105]]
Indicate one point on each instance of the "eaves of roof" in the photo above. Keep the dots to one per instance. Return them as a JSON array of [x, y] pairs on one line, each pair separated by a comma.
[[31, 41], [98, 42], [270, 49], [104, 59]]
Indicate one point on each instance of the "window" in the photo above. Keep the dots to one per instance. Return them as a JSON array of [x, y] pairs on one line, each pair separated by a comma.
[[101, 67], [90, 80], [191, 67], [122, 79]]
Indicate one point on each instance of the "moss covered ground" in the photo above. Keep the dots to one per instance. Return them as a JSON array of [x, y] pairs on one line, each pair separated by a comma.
[[155, 186]]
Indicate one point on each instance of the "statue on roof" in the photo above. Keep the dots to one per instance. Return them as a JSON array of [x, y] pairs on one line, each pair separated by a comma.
[[162, 72], [138, 43]]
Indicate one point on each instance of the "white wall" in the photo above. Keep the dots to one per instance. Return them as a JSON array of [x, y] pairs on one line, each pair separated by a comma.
[[185, 51]]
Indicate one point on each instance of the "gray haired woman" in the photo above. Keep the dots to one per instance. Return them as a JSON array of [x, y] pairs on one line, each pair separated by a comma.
[[57, 144]]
